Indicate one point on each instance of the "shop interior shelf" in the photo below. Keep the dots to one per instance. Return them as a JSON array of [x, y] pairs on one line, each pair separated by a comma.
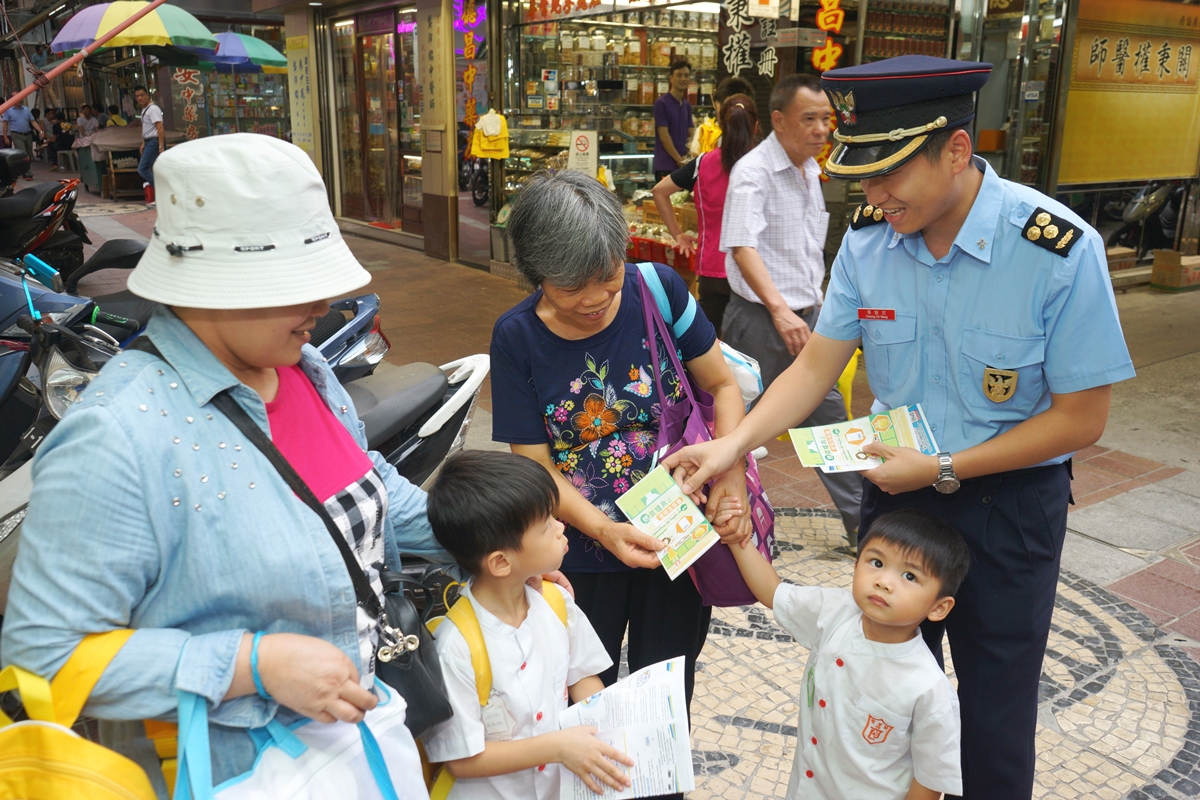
[[592, 24], [648, 66], [898, 35]]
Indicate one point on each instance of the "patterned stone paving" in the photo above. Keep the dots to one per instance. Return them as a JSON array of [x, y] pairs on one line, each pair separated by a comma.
[[1120, 708]]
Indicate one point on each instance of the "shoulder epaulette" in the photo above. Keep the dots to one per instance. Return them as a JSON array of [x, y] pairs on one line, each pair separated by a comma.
[[1051, 232], [865, 215]]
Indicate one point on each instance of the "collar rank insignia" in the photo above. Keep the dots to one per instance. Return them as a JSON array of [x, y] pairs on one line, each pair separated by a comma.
[[865, 215], [1050, 232]]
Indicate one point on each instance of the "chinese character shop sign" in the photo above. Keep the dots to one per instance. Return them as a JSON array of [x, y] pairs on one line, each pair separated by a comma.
[[1133, 64], [188, 92], [829, 19], [300, 93]]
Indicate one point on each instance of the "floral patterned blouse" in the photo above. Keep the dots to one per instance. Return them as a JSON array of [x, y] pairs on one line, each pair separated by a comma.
[[592, 400]]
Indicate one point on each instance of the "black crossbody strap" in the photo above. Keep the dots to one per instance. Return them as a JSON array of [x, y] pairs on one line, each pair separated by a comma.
[[225, 403]]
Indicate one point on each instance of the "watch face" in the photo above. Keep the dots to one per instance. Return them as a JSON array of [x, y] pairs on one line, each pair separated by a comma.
[[947, 485]]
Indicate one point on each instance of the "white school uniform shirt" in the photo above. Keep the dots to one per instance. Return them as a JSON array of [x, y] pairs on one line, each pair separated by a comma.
[[872, 715], [532, 666]]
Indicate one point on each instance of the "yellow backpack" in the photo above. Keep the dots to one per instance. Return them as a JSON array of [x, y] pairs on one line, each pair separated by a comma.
[[462, 614], [42, 757]]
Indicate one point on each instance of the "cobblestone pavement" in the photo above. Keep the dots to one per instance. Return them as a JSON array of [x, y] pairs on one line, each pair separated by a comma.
[[1120, 708]]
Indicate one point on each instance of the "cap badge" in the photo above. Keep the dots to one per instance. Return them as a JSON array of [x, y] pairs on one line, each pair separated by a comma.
[[844, 104], [999, 384]]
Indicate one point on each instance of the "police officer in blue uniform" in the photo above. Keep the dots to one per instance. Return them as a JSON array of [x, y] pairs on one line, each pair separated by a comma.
[[989, 304]]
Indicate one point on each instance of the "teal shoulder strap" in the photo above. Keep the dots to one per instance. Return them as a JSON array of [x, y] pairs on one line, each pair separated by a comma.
[[680, 327]]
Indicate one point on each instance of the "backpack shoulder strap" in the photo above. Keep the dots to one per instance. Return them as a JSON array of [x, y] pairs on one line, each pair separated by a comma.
[[462, 614], [74, 682], [654, 284], [556, 600]]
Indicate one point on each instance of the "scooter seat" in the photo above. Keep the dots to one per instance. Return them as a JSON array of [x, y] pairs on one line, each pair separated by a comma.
[[27, 202], [392, 399], [113, 254]]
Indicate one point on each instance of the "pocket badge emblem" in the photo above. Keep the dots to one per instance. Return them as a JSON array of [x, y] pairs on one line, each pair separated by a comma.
[[876, 730], [999, 384]]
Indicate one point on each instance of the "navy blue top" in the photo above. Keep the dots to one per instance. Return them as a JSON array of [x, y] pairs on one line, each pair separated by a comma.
[[592, 400], [676, 117]]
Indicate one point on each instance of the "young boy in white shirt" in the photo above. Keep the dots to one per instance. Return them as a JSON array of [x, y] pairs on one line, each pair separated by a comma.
[[494, 513], [878, 716]]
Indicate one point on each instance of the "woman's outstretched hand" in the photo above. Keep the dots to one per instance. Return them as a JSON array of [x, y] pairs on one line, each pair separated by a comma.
[[697, 464], [631, 546]]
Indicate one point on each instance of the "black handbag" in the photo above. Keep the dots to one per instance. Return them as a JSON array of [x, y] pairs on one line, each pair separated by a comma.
[[406, 658]]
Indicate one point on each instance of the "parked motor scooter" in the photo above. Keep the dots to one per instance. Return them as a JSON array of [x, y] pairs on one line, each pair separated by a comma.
[[40, 219], [1149, 219]]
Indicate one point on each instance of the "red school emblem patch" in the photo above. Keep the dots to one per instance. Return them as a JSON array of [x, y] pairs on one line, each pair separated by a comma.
[[876, 730]]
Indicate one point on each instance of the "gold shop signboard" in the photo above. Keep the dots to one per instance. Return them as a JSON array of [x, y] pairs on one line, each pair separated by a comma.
[[1133, 109]]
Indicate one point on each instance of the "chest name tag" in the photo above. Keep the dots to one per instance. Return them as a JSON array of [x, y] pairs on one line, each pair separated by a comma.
[[498, 724], [877, 313]]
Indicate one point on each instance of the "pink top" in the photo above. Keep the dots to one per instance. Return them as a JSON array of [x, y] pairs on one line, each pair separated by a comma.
[[711, 183], [312, 439]]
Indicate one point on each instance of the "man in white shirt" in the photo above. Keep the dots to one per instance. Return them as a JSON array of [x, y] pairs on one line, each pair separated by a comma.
[[87, 123], [154, 136], [773, 236]]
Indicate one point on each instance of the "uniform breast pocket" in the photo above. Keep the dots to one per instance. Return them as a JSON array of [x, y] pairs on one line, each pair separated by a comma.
[[890, 347], [877, 733], [1002, 374]]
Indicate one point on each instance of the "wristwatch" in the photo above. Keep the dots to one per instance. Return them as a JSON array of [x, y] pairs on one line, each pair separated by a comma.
[[947, 482]]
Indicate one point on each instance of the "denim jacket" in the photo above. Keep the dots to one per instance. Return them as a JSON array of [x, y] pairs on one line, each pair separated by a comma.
[[150, 511]]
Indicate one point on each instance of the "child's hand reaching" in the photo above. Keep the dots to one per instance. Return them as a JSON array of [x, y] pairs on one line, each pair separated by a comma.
[[728, 509], [591, 759]]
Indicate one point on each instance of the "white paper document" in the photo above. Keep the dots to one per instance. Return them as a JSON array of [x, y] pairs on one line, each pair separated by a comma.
[[645, 716]]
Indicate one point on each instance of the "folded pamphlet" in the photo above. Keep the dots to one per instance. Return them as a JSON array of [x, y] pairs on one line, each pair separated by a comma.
[[838, 447], [644, 716], [657, 506]]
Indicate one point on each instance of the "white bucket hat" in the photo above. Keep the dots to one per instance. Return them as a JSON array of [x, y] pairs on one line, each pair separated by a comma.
[[243, 222]]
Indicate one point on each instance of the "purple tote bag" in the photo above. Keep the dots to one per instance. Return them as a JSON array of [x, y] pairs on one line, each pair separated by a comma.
[[689, 421]]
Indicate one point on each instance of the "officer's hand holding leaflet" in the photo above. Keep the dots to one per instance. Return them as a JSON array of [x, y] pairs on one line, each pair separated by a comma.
[[789, 401]]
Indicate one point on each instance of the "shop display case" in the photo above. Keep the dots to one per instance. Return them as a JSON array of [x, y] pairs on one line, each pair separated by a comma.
[[251, 103], [601, 73], [1016, 107], [901, 27]]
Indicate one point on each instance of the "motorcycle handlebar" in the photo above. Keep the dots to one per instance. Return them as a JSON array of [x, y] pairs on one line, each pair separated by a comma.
[[104, 318]]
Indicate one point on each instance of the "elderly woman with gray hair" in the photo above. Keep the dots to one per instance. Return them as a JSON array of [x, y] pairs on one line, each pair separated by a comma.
[[573, 388]]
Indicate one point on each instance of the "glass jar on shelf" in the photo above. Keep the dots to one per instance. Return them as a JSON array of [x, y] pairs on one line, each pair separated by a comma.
[[646, 125], [660, 53], [630, 124], [599, 47], [693, 52], [647, 84], [567, 42], [708, 55]]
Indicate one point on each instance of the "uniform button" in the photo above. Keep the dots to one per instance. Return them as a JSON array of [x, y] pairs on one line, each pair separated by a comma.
[[939, 278], [936, 379], [814, 740], [808, 773], [539, 716], [987, 498], [523, 664], [937, 331], [933, 427], [874, 334], [840, 663], [541, 767], [821, 703]]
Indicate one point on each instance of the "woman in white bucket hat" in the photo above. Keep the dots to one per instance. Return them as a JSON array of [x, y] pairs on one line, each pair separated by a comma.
[[151, 510]]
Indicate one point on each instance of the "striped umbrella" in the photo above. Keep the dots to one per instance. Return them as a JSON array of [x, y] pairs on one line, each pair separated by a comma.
[[166, 25]]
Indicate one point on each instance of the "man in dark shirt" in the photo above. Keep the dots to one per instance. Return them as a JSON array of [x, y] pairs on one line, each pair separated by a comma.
[[673, 122]]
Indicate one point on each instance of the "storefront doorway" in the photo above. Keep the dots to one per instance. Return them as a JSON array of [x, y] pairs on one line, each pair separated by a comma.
[[377, 119]]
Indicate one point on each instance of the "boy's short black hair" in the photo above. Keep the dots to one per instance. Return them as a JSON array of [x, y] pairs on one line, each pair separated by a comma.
[[936, 545], [484, 501], [678, 65]]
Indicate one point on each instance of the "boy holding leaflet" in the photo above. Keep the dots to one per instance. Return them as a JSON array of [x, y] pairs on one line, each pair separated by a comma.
[[494, 513], [878, 717]]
